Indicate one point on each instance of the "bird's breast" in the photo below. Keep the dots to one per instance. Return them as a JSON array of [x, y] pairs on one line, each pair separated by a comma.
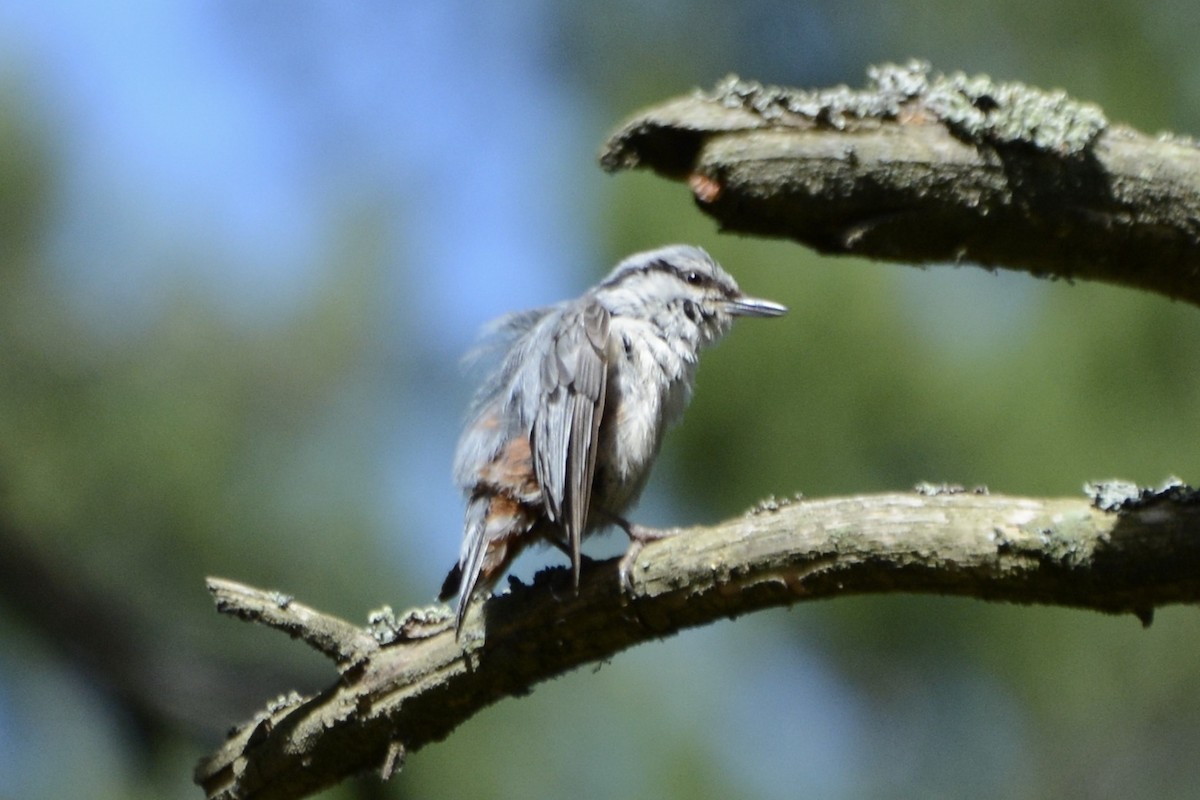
[[649, 385]]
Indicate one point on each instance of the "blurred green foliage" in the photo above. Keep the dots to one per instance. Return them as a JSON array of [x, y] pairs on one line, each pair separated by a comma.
[[178, 444], [134, 461]]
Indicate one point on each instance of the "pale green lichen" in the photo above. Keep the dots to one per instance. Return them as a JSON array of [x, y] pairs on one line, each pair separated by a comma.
[[383, 625], [975, 108], [1118, 495], [284, 701], [931, 489], [416, 623], [771, 503], [1012, 112]]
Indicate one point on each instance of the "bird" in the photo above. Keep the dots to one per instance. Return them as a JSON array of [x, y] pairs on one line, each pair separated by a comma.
[[561, 435]]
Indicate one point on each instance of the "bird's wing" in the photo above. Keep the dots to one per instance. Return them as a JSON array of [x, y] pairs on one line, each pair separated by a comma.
[[574, 378]]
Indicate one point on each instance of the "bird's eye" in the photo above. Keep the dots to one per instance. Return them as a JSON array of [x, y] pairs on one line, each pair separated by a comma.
[[694, 278]]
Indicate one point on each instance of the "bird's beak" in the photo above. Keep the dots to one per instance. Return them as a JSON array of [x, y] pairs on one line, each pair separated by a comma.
[[754, 307]]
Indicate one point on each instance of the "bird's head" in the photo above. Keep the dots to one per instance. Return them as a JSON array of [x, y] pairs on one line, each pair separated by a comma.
[[680, 287]]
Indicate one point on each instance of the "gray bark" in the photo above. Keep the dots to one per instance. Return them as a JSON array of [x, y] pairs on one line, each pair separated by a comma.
[[405, 682], [919, 169]]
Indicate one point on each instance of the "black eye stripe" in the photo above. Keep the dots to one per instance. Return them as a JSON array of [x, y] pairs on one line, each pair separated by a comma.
[[691, 276]]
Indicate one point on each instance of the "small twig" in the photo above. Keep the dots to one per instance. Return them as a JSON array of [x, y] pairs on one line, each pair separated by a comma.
[[341, 641]]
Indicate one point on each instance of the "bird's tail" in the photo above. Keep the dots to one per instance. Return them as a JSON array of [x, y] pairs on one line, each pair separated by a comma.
[[496, 530], [464, 577], [450, 585]]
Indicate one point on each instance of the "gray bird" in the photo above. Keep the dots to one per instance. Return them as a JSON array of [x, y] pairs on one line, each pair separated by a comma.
[[560, 437]]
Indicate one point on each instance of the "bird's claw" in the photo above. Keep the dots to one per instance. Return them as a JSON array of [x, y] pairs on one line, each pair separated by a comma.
[[638, 537], [625, 567]]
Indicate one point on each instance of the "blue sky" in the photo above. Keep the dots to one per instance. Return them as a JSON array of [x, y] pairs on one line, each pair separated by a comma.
[[241, 131]]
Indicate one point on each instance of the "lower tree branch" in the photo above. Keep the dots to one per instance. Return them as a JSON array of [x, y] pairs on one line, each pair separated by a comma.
[[922, 168], [411, 683]]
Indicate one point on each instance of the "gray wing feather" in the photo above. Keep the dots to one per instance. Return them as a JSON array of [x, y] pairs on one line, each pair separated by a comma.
[[551, 432], [497, 413], [504, 352], [471, 560], [555, 396], [574, 381]]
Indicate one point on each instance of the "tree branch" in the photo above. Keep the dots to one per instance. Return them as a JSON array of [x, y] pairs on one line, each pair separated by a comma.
[[1121, 551], [919, 168]]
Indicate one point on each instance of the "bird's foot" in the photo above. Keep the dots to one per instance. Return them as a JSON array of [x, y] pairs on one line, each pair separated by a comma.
[[639, 536]]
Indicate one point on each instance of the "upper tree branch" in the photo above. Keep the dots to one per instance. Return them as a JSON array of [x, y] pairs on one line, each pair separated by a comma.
[[1118, 553], [917, 168]]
